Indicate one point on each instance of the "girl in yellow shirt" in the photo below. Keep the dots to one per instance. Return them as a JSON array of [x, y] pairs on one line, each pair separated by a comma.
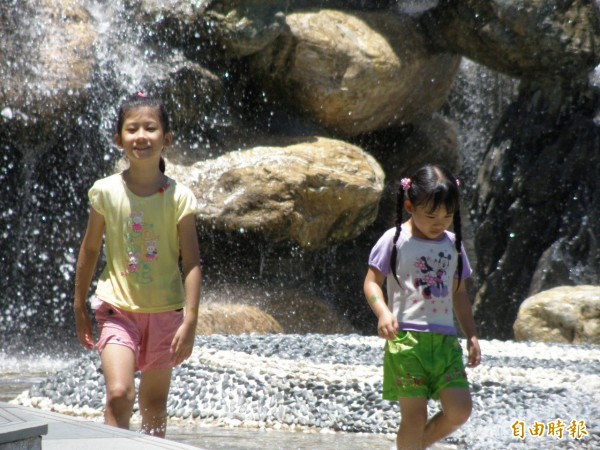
[[146, 313]]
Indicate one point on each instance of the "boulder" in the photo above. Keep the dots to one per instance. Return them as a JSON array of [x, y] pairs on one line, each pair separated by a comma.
[[234, 319], [566, 314], [355, 72], [315, 192], [280, 309], [536, 207], [45, 77]]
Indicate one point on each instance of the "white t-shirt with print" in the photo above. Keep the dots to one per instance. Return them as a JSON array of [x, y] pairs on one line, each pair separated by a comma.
[[426, 270]]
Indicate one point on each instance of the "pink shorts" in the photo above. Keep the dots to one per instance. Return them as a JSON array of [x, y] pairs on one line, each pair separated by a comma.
[[149, 336]]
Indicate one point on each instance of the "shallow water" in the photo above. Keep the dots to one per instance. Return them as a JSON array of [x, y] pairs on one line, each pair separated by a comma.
[[19, 374], [237, 439]]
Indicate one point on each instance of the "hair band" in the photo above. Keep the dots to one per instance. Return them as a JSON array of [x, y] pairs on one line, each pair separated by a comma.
[[140, 94], [406, 183], [457, 182]]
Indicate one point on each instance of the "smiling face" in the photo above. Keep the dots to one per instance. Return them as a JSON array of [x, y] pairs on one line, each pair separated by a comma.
[[426, 223], [142, 137]]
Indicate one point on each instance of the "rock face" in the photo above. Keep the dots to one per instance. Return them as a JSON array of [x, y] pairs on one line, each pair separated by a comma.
[[534, 208], [564, 314], [537, 205], [528, 38], [227, 29]]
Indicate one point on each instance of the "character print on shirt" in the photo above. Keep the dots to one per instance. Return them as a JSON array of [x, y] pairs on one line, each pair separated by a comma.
[[134, 259], [433, 279], [142, 248], [137, 221], [151, 250]]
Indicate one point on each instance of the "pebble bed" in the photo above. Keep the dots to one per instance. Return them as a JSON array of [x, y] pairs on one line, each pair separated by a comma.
[[333, 383]]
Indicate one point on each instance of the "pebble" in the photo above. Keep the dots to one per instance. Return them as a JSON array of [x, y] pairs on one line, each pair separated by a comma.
[[333, 383]]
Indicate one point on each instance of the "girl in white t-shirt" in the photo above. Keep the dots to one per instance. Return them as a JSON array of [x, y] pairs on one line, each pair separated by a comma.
[[424, 266]]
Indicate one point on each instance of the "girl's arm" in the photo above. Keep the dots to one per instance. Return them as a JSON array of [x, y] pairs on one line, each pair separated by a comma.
[[86, 266], [387, 324], [464, 315], [183, 342]]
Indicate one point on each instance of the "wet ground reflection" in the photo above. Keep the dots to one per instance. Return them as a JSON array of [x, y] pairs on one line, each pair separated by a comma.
[[237, 439]]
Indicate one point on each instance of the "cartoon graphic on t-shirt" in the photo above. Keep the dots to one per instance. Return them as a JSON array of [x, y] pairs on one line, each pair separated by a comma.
[[133, 261], [137, 221], [142, 247], [433, 275], [151, 250]]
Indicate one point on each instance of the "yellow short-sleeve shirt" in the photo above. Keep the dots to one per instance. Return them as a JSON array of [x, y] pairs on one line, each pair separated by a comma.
[[141, 245]]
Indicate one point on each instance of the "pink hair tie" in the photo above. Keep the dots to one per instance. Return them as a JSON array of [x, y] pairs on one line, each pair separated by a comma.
[[140, 94], [457, 182], [406, 183]]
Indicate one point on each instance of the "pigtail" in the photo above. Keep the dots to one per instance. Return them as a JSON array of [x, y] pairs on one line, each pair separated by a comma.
[[161, 165], [399, 209], [458, 244]]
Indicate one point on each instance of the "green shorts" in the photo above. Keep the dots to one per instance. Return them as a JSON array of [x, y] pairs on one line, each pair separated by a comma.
[[419, 364]]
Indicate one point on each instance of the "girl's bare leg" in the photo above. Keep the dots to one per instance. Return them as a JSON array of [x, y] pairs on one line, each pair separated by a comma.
[[456, 409], [118, 364], [153, 396], [412, 423]]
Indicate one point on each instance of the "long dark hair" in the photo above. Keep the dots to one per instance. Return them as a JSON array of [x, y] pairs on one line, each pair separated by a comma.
[[431, 186], [140, 100]]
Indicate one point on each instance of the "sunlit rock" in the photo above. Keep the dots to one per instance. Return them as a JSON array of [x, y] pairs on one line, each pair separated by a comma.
[[355, 72], [532, 38], [568, 314], [304, 312], [234, 319], [316, 192]]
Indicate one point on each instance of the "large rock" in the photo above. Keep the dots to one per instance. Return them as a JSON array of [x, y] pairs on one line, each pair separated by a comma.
[[315, 193], [565, 314], [355, 72], [283, 309], [45, 76], [235, 319], [525, 38]]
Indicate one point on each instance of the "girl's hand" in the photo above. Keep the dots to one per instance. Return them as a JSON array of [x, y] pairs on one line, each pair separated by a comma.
[[474, 352], [387, 326], [83, 325], [183, 343]]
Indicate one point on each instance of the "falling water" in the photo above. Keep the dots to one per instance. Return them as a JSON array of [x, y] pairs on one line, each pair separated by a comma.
[[44, 205]]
